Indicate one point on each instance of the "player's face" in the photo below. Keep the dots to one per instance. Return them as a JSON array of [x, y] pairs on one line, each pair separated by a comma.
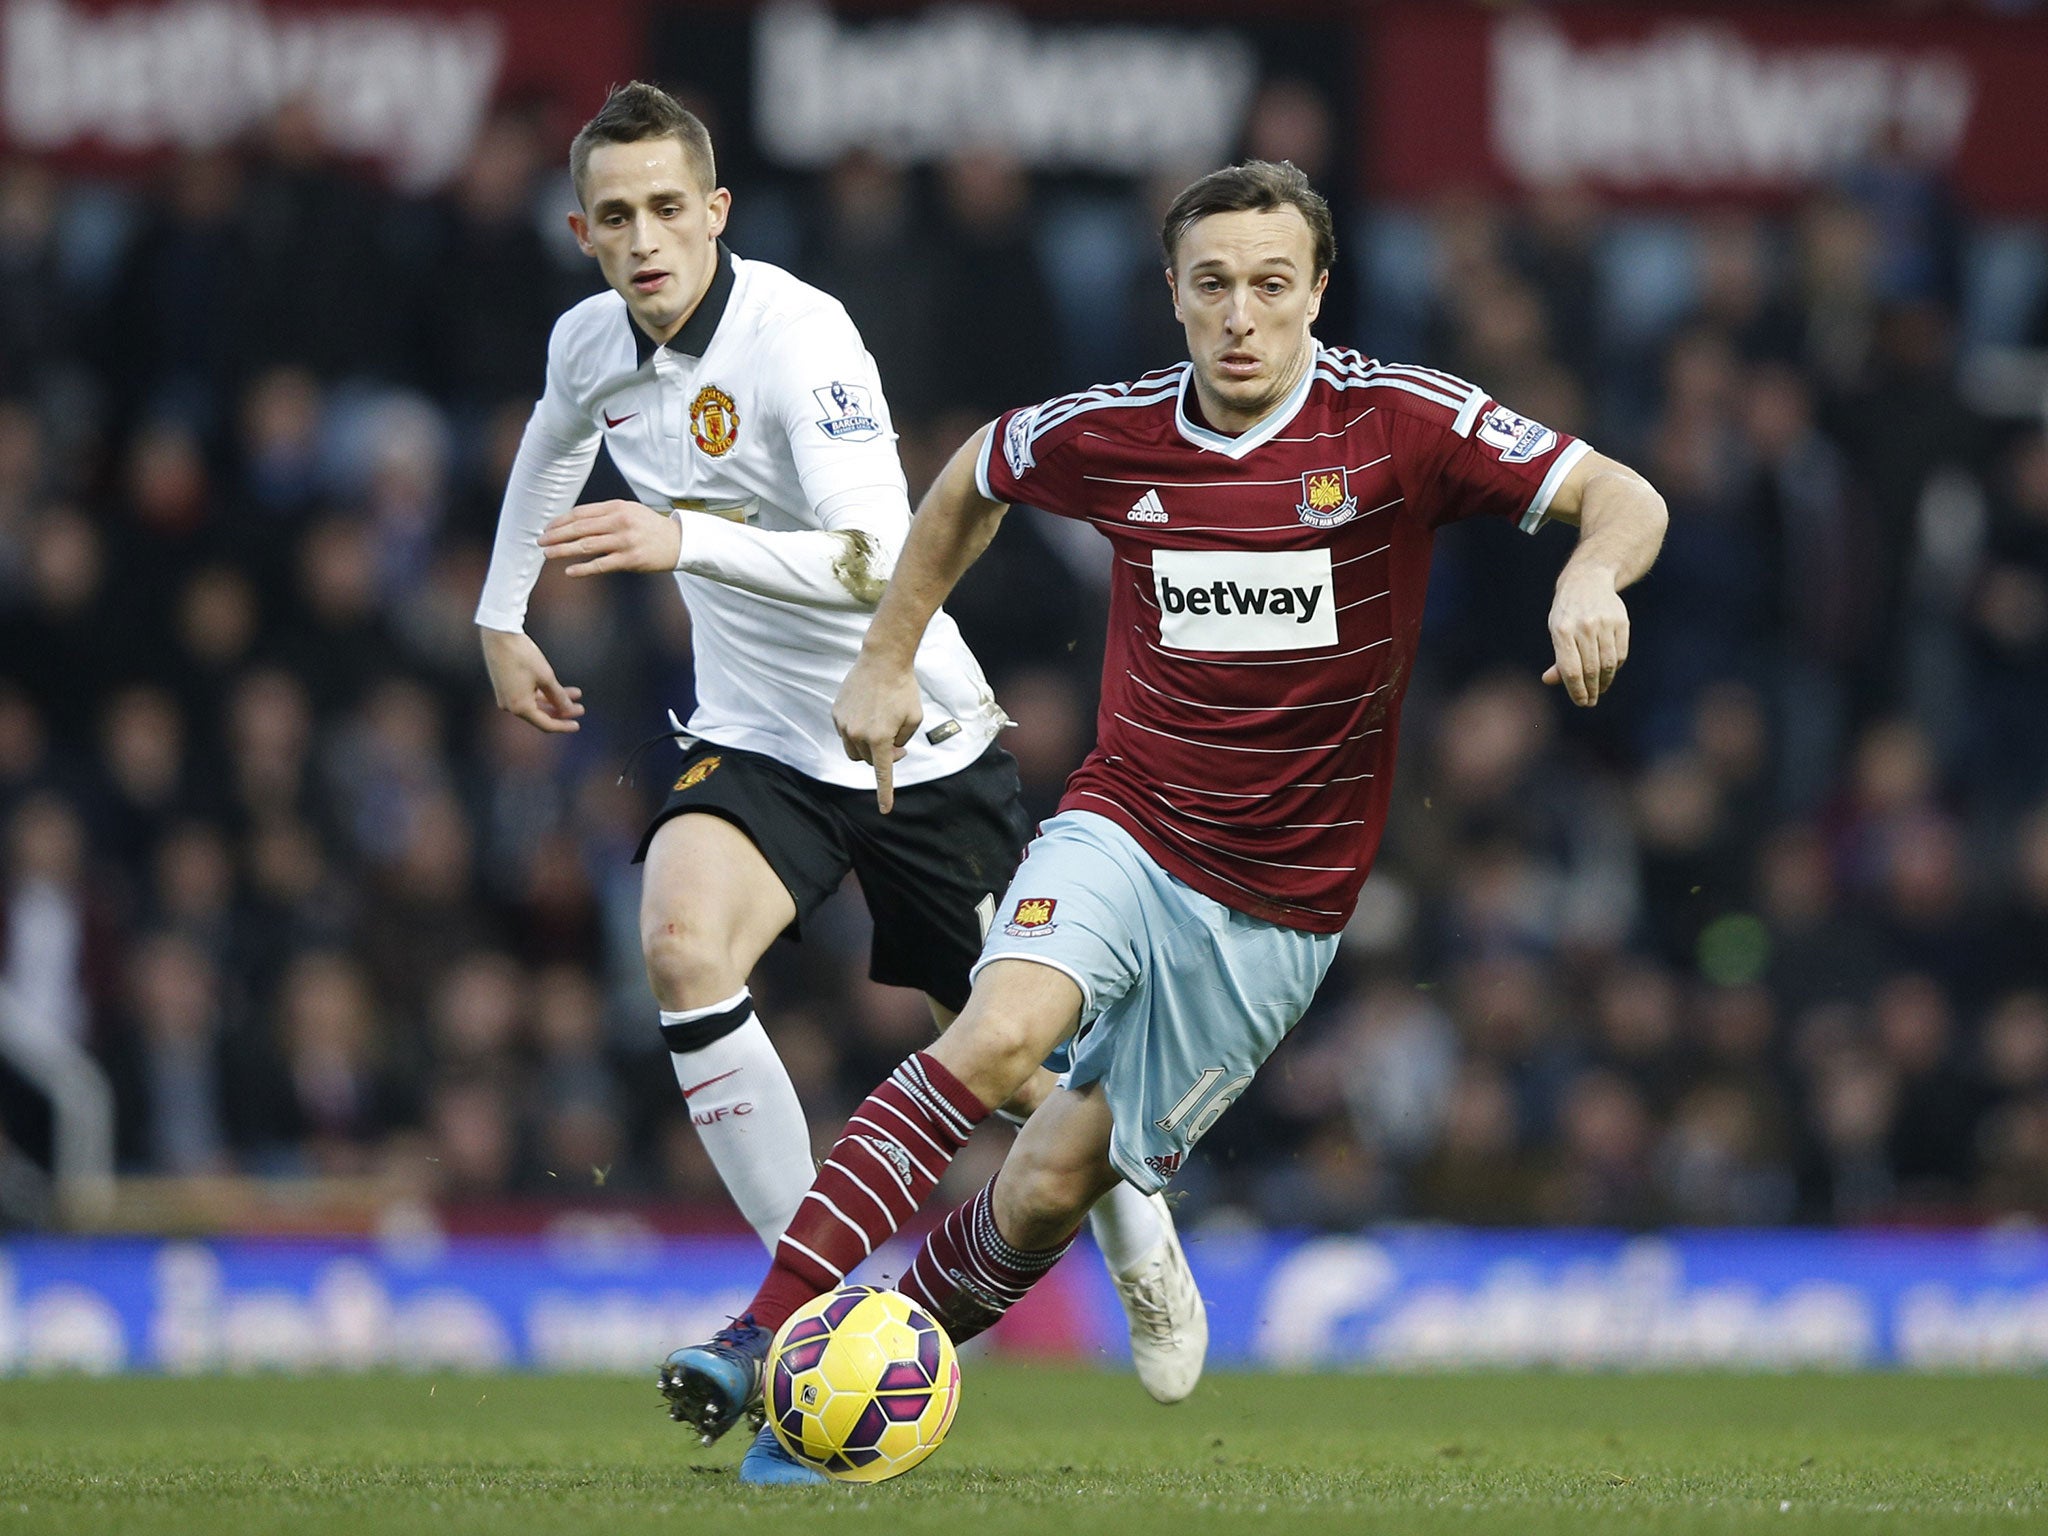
[[653, 228], [1246, 288]]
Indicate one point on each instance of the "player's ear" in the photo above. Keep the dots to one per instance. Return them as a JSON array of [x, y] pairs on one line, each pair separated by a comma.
[[579, 226], [1315, 295], [719, 204], [1173, 288]]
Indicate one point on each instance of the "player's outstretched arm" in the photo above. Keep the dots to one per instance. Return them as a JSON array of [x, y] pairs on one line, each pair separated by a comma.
[[843, 566], [525, 684], [1621, 522], [878, 706]]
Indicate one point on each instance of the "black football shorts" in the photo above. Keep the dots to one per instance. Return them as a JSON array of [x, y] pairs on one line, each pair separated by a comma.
[[932, 869]]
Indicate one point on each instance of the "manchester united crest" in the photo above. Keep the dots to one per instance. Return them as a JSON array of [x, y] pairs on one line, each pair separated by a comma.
[[714, 421], [699, 771], [1326, 498], [1032, 918]]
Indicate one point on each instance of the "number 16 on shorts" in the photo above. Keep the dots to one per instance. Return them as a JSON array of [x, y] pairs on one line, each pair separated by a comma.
[[1203, 1104]]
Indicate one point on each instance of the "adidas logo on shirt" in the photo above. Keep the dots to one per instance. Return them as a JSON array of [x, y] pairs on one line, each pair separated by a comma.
[[1146, 509]]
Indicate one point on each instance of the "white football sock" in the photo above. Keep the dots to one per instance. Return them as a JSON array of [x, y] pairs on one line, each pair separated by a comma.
[[746, 1112], [1126, 1228]]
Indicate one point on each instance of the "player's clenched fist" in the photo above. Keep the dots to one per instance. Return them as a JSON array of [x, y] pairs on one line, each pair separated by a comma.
[[877, 711], [1589, 628], [613, 536]]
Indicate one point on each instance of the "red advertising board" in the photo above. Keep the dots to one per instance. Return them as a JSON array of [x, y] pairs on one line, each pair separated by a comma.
[[398, 83], [1666, 103]]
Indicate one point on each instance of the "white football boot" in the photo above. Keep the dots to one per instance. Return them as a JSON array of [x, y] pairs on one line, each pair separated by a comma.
[[1169, 1325]]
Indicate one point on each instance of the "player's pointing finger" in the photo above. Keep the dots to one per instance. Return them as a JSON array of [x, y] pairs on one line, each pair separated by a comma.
[[885, 773]]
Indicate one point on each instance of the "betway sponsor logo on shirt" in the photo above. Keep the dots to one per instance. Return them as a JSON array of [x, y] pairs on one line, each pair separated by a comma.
[[1232, 600]]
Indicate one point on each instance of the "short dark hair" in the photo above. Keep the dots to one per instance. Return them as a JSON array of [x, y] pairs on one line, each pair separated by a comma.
[[1256, 186], [639, 111]]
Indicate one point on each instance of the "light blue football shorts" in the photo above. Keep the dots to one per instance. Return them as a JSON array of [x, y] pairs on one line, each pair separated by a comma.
[[1183, 998]]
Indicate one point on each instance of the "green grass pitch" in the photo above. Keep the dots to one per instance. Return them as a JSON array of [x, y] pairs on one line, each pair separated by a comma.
[[1048, 1452]]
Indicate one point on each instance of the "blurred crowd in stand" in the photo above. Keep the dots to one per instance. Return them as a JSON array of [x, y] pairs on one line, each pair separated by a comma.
[[1763, 939]]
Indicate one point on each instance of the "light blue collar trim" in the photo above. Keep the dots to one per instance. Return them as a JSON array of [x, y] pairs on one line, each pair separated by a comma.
[[1245, 442]]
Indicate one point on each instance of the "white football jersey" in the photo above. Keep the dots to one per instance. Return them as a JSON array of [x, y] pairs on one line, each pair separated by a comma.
[[764, 409]]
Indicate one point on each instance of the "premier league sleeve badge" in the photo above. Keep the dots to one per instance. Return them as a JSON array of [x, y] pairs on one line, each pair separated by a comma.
[[849, 413]]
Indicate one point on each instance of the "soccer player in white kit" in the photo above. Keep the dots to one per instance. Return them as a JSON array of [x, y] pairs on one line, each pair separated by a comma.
[[748, 418]]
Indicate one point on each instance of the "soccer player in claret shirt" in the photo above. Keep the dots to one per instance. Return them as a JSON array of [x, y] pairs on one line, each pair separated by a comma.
[[747, 417], [1271, 503]]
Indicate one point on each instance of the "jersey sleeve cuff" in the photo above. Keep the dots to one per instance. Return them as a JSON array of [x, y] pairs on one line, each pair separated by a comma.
[[1539, 505], [981, 461]]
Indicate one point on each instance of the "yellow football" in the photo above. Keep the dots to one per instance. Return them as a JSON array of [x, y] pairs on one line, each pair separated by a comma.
[[862, 1384]]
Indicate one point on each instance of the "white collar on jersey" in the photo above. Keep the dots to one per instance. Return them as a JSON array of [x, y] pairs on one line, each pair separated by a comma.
[[1276, 419]]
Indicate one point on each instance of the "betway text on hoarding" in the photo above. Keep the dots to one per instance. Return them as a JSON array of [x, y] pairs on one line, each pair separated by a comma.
[[396, 83], [1663, 102]]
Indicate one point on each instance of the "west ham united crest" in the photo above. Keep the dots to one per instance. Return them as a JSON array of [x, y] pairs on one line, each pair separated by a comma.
[[1326, 498], [1033, 918], [714, 421]]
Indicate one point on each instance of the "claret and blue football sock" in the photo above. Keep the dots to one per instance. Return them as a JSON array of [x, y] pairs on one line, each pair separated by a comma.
[[744, 1107], [890, 1158], [967, 1276]]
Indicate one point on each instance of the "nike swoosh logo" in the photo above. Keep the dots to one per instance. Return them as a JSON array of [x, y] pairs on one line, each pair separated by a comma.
[[735, 1072], [620, 421]]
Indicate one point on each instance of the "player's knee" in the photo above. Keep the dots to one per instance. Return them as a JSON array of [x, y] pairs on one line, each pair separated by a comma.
[[687, 967], [993, 1051], [1037, 1088], [1039, 1201]]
